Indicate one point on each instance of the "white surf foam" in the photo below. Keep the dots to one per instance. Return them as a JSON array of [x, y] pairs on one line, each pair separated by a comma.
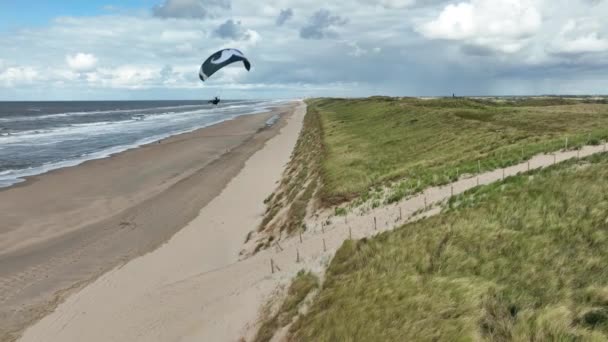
[[11, 177]]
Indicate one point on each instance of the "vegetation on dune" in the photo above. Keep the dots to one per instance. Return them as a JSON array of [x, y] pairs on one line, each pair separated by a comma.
[[299, 289], [519, 260], [286, 208], [409, 144]]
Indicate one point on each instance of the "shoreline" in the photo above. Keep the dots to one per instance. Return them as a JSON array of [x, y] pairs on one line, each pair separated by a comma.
[[110, 152], [102, 213]]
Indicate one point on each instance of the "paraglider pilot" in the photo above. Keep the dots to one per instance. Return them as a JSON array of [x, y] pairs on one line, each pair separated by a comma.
[[219, 60]]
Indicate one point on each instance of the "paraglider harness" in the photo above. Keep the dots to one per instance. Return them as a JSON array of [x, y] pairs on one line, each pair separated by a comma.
[[215, 101]]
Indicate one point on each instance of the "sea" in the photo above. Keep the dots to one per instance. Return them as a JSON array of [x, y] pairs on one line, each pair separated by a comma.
[[36, 137]]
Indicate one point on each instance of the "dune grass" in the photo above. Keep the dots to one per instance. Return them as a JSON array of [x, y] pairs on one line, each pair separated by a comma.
[[410, 144], [298, 185], [519, 260], [301, 286]]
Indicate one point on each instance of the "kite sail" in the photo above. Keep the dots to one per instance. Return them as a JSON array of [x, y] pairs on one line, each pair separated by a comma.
[[221, 59]]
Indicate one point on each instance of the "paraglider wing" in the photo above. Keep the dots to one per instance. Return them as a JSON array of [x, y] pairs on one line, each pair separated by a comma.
[[219, 60]]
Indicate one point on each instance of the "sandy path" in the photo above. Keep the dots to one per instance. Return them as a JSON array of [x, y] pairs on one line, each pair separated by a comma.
[[62, 229], [176, 294]]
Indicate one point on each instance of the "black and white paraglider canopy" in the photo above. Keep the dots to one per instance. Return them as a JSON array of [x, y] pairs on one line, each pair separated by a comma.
[[221, 59]]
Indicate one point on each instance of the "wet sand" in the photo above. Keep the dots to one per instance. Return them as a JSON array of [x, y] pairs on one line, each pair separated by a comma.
[[61, 230]]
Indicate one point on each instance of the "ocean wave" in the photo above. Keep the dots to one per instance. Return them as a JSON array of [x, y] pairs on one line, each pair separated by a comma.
[[11, 177], [172, 123], [136, 122], [74, 129], [114, 111]]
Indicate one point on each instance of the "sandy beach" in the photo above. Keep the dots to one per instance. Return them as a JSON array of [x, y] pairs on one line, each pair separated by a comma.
[[61, 230], [178, 291]]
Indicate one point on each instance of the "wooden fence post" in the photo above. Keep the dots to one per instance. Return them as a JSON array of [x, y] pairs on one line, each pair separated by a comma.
[[323, 227], [375, 225], [528, 165], [566, 148], [350, 233], [271, 266], [300, 237], [400, 215], [452, 190], [324, 246], [297, 255]]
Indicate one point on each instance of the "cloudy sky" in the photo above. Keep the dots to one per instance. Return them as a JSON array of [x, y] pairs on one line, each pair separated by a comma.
[[151, 49]]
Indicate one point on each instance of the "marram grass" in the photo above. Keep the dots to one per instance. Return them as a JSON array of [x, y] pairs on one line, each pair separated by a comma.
[[300, 288], [410, 144], [519, 260]]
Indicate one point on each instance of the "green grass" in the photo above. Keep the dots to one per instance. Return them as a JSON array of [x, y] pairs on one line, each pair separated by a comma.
[[300, 287], [519, 260], [410, 144]]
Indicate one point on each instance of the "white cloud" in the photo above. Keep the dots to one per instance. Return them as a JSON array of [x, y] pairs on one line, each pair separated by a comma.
[[396, 4], [127, 76], [190, 8], [254, 38], [580, 36], [177, 36], [500, 25], [81, 62], [355, 49], [13, 76], [399, 4]]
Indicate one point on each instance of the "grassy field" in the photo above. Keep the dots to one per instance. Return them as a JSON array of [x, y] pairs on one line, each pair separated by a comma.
[[519, 260], [409, 144]]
